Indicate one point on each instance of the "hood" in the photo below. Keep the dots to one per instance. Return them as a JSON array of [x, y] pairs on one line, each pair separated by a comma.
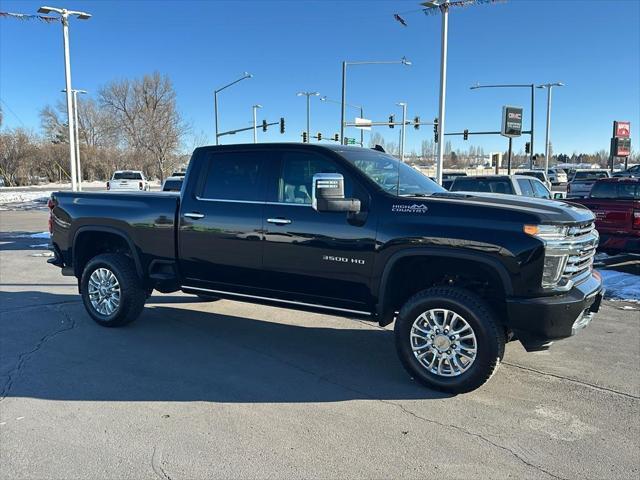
[[549, 211]]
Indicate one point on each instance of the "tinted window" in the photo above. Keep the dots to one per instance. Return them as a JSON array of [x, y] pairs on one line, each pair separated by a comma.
[[490, 185], [172, 185], [627, 191], [539, 190], [234, 176], [525, 186], [127, 176], [296, 178]]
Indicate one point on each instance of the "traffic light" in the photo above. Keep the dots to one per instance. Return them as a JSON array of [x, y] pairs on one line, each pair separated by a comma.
[[527, 147], [281, 125], [435, 130], [319, 136], [336, 138], [264, 125], [465, 134], [416, 123], [304, 137], [392, 120]]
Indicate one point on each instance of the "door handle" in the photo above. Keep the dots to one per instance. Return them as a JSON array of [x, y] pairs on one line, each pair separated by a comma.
[[279, 221], [194, 215]]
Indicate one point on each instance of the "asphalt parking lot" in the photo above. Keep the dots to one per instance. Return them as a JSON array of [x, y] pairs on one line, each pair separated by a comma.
[[231, 390]]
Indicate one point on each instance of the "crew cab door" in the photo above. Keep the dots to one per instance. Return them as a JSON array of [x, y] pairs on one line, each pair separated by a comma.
[[312, 257], [220, 224]]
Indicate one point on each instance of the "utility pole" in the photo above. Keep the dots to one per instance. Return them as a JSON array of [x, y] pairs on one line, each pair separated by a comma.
[[215, 99], [403, 130], [64, 17], [308, 95], [547, 144], [255, 122]]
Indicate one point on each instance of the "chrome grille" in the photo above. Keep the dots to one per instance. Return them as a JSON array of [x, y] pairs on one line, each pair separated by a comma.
[[581, 243]]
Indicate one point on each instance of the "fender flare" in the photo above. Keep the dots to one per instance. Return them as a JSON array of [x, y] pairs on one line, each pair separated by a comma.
[[458, 254], [105, 229]]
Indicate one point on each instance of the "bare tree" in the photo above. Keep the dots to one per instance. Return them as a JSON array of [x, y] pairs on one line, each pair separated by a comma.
[[17, 151], [145, 110]]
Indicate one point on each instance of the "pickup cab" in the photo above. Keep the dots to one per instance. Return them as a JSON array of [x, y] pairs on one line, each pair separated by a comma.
[[582, 180], [616, 205], [347, 231], [128, 180]]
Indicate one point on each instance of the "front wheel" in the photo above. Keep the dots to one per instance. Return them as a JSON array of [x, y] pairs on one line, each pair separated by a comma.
[[112, 293], [449, 339]]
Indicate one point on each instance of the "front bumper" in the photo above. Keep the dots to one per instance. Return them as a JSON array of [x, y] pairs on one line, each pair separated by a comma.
[[538, 321]]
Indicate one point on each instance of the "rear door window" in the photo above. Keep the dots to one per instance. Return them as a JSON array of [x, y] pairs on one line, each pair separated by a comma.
[[234, 176]]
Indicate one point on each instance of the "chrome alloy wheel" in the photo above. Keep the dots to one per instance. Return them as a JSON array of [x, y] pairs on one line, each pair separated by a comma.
[[443, 342], [104, 291]]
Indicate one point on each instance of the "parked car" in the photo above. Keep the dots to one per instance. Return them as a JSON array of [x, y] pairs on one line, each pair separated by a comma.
[[539, 174], [507, 184], [629, 172], [449, 177], [582, 181], [128, 180], [616, 205], [344, 230], [558, 176], [172, 184]]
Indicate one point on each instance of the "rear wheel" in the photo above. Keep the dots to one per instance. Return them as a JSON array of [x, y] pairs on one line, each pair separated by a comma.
[[112, 293], [448, 339]]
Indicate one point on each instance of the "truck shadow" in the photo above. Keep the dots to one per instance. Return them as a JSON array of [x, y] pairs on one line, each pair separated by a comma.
[[176, 354]]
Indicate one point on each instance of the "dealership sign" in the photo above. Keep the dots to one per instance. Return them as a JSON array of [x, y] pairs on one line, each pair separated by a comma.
[[511, 121], [621, 129]]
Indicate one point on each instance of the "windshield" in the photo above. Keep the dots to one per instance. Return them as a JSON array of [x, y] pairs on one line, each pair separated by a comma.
[[383, 169], [127, 176]]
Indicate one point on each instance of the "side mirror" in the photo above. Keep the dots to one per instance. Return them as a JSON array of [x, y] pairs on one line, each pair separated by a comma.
[[558, 196], [328, 194]]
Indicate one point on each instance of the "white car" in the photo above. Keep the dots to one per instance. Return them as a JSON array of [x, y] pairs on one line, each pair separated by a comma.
[[558, 176], [524, 185], [128, 180]]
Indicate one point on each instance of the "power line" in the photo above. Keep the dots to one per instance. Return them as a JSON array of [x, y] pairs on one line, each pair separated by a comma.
[[13, 113]]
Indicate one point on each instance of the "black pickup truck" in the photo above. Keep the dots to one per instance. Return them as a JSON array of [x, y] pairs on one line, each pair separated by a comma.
[[347, 231]]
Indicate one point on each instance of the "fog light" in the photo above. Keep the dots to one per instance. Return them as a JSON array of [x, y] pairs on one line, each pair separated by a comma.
[[553, 268]]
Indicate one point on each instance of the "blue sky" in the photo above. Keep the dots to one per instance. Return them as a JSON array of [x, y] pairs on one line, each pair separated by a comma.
[[591, 46]]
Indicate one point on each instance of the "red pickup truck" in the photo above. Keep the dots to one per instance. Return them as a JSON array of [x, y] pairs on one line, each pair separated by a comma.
[[616, 205]]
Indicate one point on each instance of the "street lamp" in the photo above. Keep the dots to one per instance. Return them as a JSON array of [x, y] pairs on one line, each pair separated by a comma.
[[359, 107], [547, 149], [533, 97], [402, 61], [64, 16], [255, 123], [403, 132], [215, 98], [308, 95], [77, 135]]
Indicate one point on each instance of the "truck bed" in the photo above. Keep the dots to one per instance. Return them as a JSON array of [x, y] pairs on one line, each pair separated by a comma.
[[147, 221]]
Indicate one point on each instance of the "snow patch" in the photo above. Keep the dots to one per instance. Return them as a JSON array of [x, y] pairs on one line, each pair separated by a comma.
[[24, 197], [46, 235], [40, 245], [621, 285]]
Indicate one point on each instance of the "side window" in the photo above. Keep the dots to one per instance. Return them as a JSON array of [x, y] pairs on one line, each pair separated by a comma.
[[540, 191], [525, 187], [234, 176], [296, 176]]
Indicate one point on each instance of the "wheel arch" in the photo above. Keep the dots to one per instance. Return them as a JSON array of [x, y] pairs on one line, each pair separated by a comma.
[[488, 264]]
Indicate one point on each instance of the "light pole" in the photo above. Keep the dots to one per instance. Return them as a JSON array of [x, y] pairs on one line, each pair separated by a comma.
[[547, 149], [215, 98], [77, 135], [64, 17], [255, 122], [402, 61], [403, 131], [359, 107], [533, 98], [308, 95]]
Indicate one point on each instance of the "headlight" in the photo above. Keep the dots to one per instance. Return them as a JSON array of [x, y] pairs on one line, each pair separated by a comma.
[[555, 260]]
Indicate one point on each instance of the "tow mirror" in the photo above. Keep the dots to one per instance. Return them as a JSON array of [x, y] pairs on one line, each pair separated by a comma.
[[558, 196], [328, 194]]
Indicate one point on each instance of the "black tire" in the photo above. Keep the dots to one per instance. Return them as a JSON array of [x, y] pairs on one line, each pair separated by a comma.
[[490, 338], [132, 292], [207, 298]]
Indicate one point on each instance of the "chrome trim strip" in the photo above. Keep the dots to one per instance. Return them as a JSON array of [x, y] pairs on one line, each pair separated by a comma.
[[279, 221], [254, 202], [244, 295]]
